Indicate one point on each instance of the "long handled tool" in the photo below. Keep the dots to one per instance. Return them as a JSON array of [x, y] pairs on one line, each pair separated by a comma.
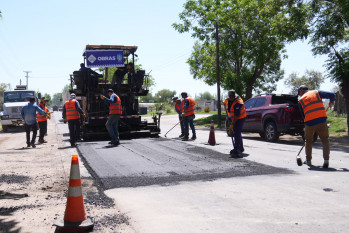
[[172, 128], [299, 159]]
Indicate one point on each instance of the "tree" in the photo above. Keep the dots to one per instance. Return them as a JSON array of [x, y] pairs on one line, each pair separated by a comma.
[[205, 96], [312, 79], [48, 97], [252, 38], [330, 36], [4, 87], [164, 96], [56, 99]]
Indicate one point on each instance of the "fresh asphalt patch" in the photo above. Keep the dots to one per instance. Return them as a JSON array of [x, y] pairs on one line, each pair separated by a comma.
[[160, 161]]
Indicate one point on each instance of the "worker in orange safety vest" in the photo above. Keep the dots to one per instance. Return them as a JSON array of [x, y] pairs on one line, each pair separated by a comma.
[[42, 120], [315, 120], [189, 116], [71, 114], [237, 114], [115, 111]]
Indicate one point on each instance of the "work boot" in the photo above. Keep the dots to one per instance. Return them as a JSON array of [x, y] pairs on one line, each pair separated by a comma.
[[116, 143], [72, 144], [307, 162], [28, 144], [242, 150], [33, 145], [193, 137], [182, 135], [326, 163], [185, 138]]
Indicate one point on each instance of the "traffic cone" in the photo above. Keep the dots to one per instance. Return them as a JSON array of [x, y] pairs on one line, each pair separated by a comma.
[[212, 138], [75, 219]]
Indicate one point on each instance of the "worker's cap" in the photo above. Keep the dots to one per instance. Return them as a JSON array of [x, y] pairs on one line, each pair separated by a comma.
[[231, 94], [302, 88], [43, 99], [72, 96], [174, 99], [110, 90], [184, 93]]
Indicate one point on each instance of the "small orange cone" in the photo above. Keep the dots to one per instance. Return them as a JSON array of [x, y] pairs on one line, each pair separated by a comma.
[[212, 138], [75, 219]]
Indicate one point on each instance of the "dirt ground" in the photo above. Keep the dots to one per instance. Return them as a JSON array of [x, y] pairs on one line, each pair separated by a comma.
[[34, 183]]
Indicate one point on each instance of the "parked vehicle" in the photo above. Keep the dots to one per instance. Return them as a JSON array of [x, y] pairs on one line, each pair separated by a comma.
[[12, 107], [273, 115]]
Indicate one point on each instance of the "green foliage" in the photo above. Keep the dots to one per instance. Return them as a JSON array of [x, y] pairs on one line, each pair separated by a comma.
[[4, 87], [252, 37], [164, 96], [312, 79], [48, 97], [56, 99], [337, 125], [205, 96]]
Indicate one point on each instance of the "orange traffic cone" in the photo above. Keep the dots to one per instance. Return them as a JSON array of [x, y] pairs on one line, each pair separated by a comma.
[[75, 219], [212, 138]]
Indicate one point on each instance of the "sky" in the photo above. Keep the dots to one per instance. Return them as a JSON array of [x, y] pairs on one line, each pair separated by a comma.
[[48, 38]]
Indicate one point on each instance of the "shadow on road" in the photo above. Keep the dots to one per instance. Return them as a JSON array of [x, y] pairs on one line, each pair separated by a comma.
[[319, 168]]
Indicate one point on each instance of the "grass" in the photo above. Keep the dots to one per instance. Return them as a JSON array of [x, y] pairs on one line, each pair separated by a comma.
[[338, 124]]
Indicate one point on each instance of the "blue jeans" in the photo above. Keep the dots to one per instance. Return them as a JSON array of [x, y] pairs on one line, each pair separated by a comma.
[[189, 120], [237, 139], [28, 128], [113, 126]]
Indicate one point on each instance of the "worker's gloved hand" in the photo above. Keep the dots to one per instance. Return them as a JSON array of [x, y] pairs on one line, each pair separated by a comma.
[[48, 115], [65, 120], [102, 97], [84, 115]]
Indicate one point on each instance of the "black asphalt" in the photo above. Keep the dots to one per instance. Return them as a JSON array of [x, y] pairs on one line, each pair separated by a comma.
[[161, 161]]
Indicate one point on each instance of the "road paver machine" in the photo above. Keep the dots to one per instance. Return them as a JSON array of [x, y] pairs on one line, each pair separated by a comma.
[[127, 82]]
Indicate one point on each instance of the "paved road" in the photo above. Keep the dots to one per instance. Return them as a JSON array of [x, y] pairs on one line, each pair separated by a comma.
[[168, 185]]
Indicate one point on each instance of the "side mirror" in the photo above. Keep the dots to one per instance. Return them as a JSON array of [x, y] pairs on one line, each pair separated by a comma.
[[39, 95]]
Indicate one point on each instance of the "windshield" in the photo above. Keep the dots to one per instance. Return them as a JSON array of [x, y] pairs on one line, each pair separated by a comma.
[[18, 96]]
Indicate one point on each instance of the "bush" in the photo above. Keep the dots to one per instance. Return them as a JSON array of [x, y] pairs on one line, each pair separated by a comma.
[[207, 109]]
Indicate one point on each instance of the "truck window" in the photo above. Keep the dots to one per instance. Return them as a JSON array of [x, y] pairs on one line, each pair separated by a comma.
[[284, 100], [260, 102], [17, 96], [250, 103]]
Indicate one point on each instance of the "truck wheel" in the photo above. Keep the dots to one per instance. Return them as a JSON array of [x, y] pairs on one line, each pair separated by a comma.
[[271, 134], [4, 128]]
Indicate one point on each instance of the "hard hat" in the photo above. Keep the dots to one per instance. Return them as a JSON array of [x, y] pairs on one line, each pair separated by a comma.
[[184, 93], [110, 90], [175, 98], [43, 99], [72, 96]]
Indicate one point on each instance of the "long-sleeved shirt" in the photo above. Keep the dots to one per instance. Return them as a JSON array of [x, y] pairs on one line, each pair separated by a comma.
[[112, 99], [29, 113], [324, 95], [77, 105]]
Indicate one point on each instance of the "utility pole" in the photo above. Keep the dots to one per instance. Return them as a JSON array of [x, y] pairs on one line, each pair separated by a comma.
[[218, 78], [27, 76]]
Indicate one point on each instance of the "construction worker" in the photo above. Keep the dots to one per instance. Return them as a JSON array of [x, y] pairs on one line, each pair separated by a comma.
[[179, 109], [189, 116], [71, 113], [315, 120], [115, 111], [42, 120], [237, 114], [29, 115]]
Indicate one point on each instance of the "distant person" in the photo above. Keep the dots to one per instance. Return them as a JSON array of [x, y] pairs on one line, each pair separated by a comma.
[[118, 76], [179, 109], [29, 115], [42, 120], [71, 114], [115, 111], [237, 114], [189, 116], [315, 120]]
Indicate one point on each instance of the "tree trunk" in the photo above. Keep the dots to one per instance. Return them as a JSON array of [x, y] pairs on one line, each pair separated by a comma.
[[345, 91]]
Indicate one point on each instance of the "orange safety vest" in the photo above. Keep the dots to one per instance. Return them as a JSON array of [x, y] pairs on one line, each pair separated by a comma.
[[115, 108], [225, 103], [179, 107], [190, 110], [312, 105], [42, 117], [231, 112], [71, 111]]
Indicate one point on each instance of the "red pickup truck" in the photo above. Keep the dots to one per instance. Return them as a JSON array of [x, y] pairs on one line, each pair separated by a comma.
[[272, 115]]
